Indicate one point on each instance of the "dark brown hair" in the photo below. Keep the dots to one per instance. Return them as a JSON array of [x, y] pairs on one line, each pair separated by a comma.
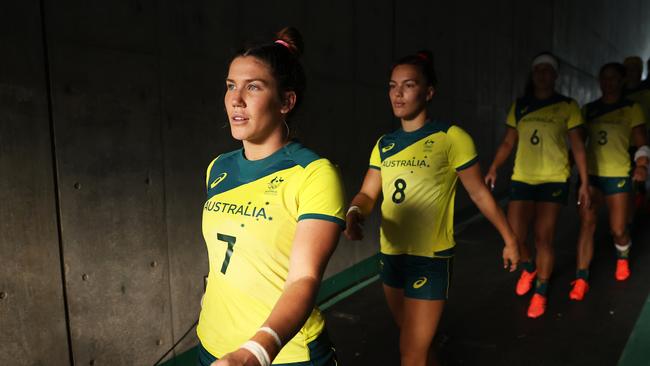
[[282, 57], [423, 60]]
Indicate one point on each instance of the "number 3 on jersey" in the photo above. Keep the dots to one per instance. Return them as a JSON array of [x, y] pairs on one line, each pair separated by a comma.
[[399, 195], [231, 245]]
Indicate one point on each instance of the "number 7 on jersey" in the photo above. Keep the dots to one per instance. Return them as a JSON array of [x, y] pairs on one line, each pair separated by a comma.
[[231, 245]]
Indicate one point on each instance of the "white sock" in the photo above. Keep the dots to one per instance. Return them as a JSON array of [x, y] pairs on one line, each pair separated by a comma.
[[623, 248]]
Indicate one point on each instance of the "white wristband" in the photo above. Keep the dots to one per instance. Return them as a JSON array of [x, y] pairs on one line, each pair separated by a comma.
[[275, 336], [354, 209], [258, 351], [642, 152]]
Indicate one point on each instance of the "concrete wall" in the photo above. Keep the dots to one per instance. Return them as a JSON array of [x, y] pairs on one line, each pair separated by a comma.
[[101, 202]]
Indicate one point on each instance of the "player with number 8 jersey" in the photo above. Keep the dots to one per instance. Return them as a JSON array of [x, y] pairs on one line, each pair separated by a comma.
[[419, 175], [416, 169]]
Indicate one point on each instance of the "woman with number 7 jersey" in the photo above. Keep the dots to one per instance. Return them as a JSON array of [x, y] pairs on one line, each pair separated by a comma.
[[271, 221], [538, 123], [417, 168]]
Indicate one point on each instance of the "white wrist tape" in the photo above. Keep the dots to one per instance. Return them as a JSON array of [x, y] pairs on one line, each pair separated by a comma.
[[258, 351], [275, 336], [354, 209], [642, 152]]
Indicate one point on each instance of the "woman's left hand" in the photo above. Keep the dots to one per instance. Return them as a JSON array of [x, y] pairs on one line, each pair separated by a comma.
[[511, 254], [584, 195], [240, 357]]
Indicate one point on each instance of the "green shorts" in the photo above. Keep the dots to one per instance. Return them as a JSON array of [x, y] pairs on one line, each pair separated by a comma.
[[611, 185], [543, 192], [321, 353], [420, 277]]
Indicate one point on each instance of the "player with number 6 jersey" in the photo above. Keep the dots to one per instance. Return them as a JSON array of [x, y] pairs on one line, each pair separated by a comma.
[[539, 124]]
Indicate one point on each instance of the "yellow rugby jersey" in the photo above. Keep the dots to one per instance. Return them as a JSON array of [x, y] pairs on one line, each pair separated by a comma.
[[542, 125], [249, 222], [609, 131], [418, 174]]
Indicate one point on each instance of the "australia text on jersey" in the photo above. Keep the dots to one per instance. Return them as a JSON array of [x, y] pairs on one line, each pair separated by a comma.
[[248, 210], [419, 163]]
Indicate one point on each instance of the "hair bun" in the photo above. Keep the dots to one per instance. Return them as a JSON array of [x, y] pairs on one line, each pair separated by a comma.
[[425, 55], [291, 38]]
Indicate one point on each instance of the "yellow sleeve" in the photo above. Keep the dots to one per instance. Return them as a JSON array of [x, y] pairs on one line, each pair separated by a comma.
[[638, 116], [511, 120], [207, 172], [321, 195], [375, 159], [575, 116], [462, 153]]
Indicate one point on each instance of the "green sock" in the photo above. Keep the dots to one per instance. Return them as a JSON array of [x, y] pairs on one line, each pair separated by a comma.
[[528, 266], [582, 274], [623, 251], [541, 287]]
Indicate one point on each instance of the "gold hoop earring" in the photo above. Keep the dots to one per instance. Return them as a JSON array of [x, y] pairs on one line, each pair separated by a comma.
[[287, 127]]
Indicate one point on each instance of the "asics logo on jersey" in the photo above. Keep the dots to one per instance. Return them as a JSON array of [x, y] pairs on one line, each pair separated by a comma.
[[621, 183], [218, 180], [557, 193], [386, 148], [419, 283]]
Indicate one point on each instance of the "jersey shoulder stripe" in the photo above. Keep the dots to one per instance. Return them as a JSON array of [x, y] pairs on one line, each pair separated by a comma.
[[597, 108], [528, 104], [231, 170], [396, 141]]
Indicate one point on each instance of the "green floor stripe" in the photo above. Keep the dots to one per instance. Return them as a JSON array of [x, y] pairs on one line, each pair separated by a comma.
[[327, 304], [348, 278], [637, 351]]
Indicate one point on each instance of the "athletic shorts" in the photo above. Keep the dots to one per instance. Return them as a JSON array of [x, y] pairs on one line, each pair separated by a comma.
[[420, 277], [321, 353], [542, 192], [611, 185]]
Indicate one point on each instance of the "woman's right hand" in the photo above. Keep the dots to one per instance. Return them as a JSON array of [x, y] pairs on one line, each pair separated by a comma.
[[353, 229], [491, 178]]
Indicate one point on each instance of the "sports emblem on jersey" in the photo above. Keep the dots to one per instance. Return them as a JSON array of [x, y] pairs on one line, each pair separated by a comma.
[[218, 180], [272, 186], [419, 283], [621, 183], [388, 147], [428, 145]]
